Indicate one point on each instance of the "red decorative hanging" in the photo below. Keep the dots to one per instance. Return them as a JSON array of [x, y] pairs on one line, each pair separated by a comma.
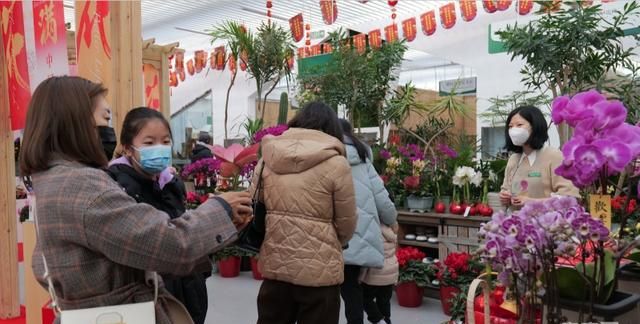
[[179, 62], [220, 57], [585, 3], [504, 4], [307, 27], [200, 60], [448, 15], [190, 68], [244, 58], [409, 29], [524, 7], [316, 49], [392, 3], [469, 9], [329, 10], [232, 63], [269, 6], [428, 22], [327, 48], [490, 6], [291, 61], [173, 79], [391, 33], [360, 43], [182, 75], [554, 6], [296, 23], [375, 38]]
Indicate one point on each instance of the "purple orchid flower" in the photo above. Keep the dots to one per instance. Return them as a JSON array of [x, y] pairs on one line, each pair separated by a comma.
[[385, 155]]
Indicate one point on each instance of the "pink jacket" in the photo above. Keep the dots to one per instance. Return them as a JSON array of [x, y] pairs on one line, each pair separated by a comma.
[[388, 274]]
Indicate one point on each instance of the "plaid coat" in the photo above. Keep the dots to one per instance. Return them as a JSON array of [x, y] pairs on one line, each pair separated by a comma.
[[98, 241]]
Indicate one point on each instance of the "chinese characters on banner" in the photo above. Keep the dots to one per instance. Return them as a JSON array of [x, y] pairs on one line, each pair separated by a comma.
[[504, 4], [190, 68], [375, 38], [232, 63], [296, 23], [524, 7], [490, 6], [327, 48], [428, 21], [600, 207], [316, 49], [360, 42], [391, 33], [469, 9], [448, 15], [409, 29], [15, 55], [220, 57], [302, 52], [93, 37], [151, 77], [50, 41], [329, 10]]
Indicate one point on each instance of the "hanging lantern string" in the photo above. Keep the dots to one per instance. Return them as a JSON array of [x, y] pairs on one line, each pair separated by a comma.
[[392, 4], [269, 6]]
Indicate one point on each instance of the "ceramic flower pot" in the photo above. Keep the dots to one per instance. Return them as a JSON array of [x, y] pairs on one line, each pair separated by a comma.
[[229, 267], [409, 294], [447, 293], [419, 204], [255, 270]]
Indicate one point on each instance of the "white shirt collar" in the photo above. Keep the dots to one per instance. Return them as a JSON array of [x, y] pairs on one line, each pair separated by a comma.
[[531, 157]]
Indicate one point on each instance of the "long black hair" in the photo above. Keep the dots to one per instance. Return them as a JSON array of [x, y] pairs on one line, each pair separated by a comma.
[[318, 116], [539, 134], [136, 119], [363, 150]]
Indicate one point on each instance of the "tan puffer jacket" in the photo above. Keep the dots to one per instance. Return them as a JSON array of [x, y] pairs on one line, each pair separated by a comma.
[[388, 275], [311, 210]]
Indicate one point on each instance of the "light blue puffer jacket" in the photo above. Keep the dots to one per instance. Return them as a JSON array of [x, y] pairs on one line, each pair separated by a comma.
[[374, 206]]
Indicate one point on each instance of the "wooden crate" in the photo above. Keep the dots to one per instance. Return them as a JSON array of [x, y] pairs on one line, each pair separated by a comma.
[[456, 238]]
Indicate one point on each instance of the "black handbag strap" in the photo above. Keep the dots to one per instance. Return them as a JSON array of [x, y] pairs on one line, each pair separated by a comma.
[[256, 194]]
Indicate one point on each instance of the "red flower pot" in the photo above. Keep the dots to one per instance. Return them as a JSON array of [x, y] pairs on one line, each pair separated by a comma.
[[409, 294], [229, 267], [446, 294], [254, 269]]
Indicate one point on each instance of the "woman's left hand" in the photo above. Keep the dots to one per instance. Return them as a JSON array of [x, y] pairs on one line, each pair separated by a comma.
[[519, 201]]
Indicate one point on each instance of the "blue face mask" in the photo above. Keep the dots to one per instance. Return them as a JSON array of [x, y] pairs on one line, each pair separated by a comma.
[[154, 159]]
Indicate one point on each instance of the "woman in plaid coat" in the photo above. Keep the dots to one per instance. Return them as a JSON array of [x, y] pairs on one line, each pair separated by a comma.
[[97, 240]]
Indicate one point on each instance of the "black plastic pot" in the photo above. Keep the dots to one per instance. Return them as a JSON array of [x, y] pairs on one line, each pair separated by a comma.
[[619, 304]]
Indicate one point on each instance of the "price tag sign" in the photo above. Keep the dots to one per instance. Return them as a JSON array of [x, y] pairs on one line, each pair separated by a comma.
[[600, 207], [466, 211]]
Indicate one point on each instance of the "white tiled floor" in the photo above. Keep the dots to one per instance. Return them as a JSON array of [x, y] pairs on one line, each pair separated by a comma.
[[233, 301]]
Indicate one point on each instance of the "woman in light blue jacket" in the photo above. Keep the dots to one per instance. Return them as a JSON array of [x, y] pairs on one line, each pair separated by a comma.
[[374, 207]]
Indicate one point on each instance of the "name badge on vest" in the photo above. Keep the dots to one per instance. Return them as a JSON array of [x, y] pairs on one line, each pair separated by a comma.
[[534, 174]]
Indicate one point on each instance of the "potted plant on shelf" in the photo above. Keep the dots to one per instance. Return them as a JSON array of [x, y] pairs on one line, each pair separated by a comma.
[[419, 199], [454, 277], [228, 261], [464, 177], [413, 277]]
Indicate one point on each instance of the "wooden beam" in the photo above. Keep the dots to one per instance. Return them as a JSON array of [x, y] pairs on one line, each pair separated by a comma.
[[126, 35], [148, 42], [158, 56], [9, 293]]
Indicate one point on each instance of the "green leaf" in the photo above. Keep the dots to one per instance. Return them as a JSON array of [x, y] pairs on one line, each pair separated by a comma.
[[571, 284], [634, 256]]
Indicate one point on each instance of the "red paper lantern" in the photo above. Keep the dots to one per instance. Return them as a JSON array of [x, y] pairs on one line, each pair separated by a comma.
[[200, 59], [296, 23], [179, 62], [360, 43], [375, 38], [220, 57], [504, 4], [469, 9], [524, 7], [392, 3], [448, 15], [329, 10], [327, 48], [490, 6], [428, 21], [173, 79], [232, 63], [391, 33], [409, 29]]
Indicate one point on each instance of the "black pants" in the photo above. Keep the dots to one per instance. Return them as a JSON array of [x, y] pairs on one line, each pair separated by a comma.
[[377, 302], [285, 303], [351, 292]]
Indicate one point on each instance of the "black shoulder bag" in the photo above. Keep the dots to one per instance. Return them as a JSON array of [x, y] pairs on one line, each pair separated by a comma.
[[250, 238]]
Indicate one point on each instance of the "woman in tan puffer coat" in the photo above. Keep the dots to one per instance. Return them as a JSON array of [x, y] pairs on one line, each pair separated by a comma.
[[377, 284], [311, 216]]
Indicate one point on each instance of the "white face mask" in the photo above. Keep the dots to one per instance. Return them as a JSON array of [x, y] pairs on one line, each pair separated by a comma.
[[518, 135]]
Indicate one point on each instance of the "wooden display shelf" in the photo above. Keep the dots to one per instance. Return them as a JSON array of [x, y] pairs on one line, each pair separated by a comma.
[[418, 243]]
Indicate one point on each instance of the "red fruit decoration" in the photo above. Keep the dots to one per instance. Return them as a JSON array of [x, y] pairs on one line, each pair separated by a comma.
[[473, 210], [455, 208], [440, 208]]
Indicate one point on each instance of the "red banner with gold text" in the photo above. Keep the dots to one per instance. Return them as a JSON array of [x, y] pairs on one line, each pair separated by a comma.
[[375, 38], [329, 10], [469, 9], [151, 77], [391, 33], [296, 23], [15, 56], [50, 41], [409, 29], [360, 42], [524, 7], [428, 21], [448, 15]]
